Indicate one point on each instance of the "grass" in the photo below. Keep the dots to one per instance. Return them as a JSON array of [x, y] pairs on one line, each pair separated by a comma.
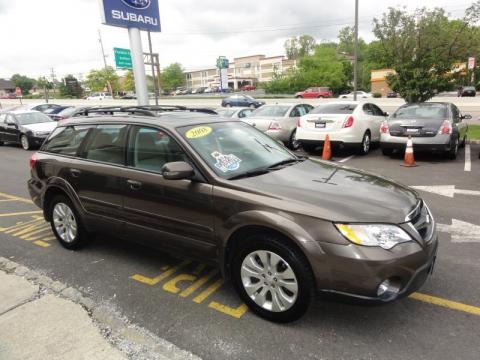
[[474, 132]]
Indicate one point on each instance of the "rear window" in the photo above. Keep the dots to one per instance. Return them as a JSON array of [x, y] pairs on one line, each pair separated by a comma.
[[422, 111], [66, 140], [334, 109]]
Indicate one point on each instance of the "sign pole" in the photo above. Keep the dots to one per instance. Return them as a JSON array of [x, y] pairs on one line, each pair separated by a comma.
[[138, 66], [153, 67]]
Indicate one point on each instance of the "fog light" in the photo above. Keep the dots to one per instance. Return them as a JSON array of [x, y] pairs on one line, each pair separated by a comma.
[[388, 289]]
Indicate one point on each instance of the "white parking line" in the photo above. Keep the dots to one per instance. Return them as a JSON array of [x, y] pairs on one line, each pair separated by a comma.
[[346, 159], [468, 164]]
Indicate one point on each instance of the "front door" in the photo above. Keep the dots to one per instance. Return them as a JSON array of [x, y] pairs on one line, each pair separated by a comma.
[[165, 213]]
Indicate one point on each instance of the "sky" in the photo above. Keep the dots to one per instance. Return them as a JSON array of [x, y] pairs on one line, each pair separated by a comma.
[[38, 35]]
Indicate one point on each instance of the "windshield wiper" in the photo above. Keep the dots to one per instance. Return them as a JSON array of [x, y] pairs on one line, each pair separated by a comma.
[[286, 162], [250, 174]]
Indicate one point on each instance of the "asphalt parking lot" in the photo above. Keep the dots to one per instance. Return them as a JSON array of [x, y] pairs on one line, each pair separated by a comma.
[[188, 303]]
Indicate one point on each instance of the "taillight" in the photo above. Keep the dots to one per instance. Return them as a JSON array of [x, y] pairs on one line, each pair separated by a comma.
[[384, 127], [299, 123], [33, 160], [274, 125], [348, 122], [446, 128]]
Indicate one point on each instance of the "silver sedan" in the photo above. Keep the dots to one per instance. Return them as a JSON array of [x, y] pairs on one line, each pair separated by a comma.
[[279, 121]]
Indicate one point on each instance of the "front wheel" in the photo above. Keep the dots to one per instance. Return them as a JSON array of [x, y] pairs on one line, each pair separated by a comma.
[[25, 142], [273, 278], [453, 152], [366, 142], [387, 152]]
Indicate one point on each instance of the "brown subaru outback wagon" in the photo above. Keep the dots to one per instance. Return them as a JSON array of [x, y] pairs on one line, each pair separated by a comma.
[[279, 226]]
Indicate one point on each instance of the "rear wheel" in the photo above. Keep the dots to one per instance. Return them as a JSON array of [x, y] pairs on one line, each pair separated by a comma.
[[25, 142], [66, 224], [366, 142], [453, 152], [294, 144], [272, 278], [464, 142]]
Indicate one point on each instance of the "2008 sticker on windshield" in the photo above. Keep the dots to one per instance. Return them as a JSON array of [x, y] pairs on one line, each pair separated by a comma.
[[226, 163], [198, 132]]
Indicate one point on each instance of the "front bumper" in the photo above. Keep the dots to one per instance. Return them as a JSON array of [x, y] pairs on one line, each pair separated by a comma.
[[37, 141]]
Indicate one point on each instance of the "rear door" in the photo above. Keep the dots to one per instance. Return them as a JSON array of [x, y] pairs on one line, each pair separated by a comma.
[[11, 129], [377, 119], [457, 123], [173, 213]]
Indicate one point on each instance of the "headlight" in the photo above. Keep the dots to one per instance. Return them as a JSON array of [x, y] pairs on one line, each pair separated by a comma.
[[385, 236]]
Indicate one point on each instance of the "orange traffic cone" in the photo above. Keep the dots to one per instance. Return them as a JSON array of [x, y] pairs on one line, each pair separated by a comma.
[[327, 149], [409, 160]]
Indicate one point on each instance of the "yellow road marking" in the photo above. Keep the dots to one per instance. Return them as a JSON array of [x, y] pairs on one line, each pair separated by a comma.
[[197, 284], [41, 243], [49, 238], [446, 303], [5, 200], [153, 281], [208, 291], [18, 226], [235, 312], [21, 213], [171, 285], [42, 229], [16, 198], [40, 224]]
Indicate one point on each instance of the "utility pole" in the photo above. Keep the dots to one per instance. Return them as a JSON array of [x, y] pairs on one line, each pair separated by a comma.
[[53, 77], [155, 89], [355, 54], [109, 85]]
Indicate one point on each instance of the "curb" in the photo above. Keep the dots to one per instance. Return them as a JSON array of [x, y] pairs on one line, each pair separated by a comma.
[[132, 340]]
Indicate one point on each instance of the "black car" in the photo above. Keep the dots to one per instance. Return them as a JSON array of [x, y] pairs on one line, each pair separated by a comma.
[[467, 91], [392, 94], [25, 127], [242, 100]]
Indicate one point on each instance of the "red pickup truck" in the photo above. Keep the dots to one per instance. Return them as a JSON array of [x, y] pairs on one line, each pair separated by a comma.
[[314, 93]]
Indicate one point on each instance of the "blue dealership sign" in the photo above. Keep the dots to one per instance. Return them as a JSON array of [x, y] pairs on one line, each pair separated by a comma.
[[141, 14]]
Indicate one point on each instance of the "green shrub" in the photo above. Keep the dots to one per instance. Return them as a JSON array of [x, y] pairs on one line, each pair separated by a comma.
[[377, 95]]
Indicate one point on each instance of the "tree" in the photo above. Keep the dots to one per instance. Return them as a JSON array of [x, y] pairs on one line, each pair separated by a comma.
[[23, 82], [423, 47], [172, 76], [98, 80], [70, 87], [43, 83], [298, 47], [129, 84]]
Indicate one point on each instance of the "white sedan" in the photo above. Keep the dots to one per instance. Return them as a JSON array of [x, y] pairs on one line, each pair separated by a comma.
[[348, 124], [360, 95]]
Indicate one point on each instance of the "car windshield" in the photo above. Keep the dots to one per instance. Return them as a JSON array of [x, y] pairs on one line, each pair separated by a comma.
[[32, 118], [334, 109], [235, 149], [271, 110], [468, 88], [225, 112], [422, 111]]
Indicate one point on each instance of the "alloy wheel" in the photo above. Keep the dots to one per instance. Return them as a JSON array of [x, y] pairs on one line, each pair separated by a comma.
[[269, 280], [65, 222]]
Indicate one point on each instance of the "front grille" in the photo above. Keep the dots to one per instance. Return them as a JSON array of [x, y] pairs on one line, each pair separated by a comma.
[[422, 220]]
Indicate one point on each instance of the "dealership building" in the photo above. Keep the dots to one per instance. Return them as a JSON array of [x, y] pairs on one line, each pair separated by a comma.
[[247, 70]]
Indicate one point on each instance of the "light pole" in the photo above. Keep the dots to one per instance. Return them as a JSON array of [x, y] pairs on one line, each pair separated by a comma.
[[355, 54]]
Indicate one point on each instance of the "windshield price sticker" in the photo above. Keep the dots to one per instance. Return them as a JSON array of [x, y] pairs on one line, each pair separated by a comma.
[[226, 163], [198, 132]]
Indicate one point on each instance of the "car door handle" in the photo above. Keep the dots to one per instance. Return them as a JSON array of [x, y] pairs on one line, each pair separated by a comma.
[[75, 173], [134, 185]]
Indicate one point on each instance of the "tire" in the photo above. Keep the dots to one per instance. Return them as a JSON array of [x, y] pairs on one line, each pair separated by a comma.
[[290, 265], [25, 142], [453, 152], [387, 152], [293, 143], [366, 143], [464, 142], [70, 237]]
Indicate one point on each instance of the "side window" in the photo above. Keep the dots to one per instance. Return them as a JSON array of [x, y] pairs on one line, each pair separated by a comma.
[[150, 149], [376, 110], [295, 112], [66, 140], [307, 108], [367, 109], [107, 144], [9, 120], [3, 118], [301, 110]]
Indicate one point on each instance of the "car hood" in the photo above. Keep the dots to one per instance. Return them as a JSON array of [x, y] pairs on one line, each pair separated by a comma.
[[46, 126], [333, 192]]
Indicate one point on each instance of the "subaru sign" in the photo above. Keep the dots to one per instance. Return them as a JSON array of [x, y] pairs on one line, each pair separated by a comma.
[[140, 14]]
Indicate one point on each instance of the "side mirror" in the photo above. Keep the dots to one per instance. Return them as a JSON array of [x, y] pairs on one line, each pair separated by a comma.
[[466, 117], [177, 170]]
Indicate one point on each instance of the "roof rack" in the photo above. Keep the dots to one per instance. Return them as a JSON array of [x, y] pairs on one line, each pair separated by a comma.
[[146, 110]]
